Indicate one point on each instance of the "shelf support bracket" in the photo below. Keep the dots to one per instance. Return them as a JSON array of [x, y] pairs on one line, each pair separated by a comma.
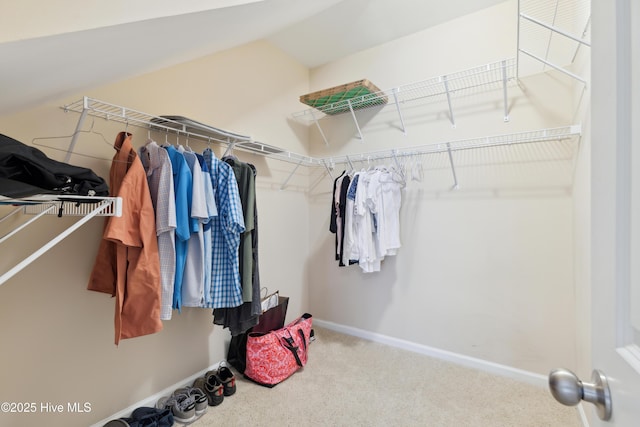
[[355, 120], [453, 167], [446, 88], [554, 66], [26, 224], [315, 120], [74, 138], [324, 163], [504, 90], [10, 214], [395, 96], [35, 255], [286, 181]]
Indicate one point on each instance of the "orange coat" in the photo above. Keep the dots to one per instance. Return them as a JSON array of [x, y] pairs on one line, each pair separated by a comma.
[[128, 265]]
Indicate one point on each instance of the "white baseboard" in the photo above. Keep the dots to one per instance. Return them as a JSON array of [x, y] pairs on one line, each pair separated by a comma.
[[459, 359], [151, 400], [583, 416]]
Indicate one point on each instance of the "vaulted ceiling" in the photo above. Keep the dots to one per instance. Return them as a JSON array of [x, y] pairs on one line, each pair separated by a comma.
[[67, 46]]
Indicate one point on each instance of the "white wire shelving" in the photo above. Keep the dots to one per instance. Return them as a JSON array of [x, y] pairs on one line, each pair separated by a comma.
[[108, 111], [496, 75], [551, 34], [39, 206], [177, 124], [450, 147]]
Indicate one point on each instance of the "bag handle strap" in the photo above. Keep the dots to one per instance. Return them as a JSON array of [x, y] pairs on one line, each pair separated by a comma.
[[288, 344], [304, 341]]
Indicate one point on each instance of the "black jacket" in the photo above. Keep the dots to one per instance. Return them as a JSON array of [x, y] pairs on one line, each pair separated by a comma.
[[25, 171]]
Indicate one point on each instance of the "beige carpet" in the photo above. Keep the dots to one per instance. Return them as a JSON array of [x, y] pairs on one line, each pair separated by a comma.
[[354, 382]]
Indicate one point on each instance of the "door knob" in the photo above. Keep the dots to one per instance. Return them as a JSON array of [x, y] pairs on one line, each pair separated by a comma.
[[569, 390]]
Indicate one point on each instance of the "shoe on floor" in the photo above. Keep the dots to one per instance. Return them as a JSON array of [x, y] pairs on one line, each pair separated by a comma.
[[182, 406], [199, 396], [117, 423], [156, 417], [226, 377], [212, 388]]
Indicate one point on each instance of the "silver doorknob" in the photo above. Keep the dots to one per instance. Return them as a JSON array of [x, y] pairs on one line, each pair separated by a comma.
[[569, 390]]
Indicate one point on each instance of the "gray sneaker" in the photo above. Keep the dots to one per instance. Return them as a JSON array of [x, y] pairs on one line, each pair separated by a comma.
[[182, 406], [202, 403]]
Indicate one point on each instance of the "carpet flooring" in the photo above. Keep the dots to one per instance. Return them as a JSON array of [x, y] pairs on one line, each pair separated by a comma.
[[350, 381]]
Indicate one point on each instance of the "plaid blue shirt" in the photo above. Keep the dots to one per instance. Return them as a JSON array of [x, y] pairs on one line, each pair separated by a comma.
[[225, 240]]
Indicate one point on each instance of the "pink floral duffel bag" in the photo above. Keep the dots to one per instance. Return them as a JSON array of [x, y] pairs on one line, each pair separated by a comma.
[[274, 356]]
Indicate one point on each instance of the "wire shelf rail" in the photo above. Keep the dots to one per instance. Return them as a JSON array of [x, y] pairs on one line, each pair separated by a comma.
[[177, 124], [496, 75], [551, 33]]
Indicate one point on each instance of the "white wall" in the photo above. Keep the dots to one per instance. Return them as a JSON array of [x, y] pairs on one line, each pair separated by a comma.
[[57, 337], [486, 270]]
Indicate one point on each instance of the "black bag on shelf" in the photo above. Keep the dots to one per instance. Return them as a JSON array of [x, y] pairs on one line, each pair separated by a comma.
[[270, 320], [25, 171]]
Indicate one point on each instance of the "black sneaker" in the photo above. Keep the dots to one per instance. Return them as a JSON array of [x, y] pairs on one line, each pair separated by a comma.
[[228, 380], [211, 387]]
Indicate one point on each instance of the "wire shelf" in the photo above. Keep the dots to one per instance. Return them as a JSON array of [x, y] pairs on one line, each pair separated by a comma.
[[492, 75], [72, 205], [184, 126], [552, 134], [551, 34]]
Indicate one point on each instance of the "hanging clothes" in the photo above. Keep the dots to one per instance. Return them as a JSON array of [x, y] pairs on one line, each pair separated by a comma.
[[157, 164], [247, 190], [207, 229], [350, 249], [389, 205], [128, 265], [226, 290], [334, 224], [340, 186], [371, 217], [364, 221], [182, 187], [240, 319], [193, 279]]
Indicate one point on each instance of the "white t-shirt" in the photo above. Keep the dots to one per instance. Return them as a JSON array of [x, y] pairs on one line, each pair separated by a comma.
[[368, 257], [391, 198]]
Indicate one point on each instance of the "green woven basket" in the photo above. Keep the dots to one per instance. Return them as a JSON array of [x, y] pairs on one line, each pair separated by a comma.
[[335, 100]]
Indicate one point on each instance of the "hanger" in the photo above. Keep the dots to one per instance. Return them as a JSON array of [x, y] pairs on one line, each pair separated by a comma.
[[351, 167], [229, 151], [90, 131], [186, 144]]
